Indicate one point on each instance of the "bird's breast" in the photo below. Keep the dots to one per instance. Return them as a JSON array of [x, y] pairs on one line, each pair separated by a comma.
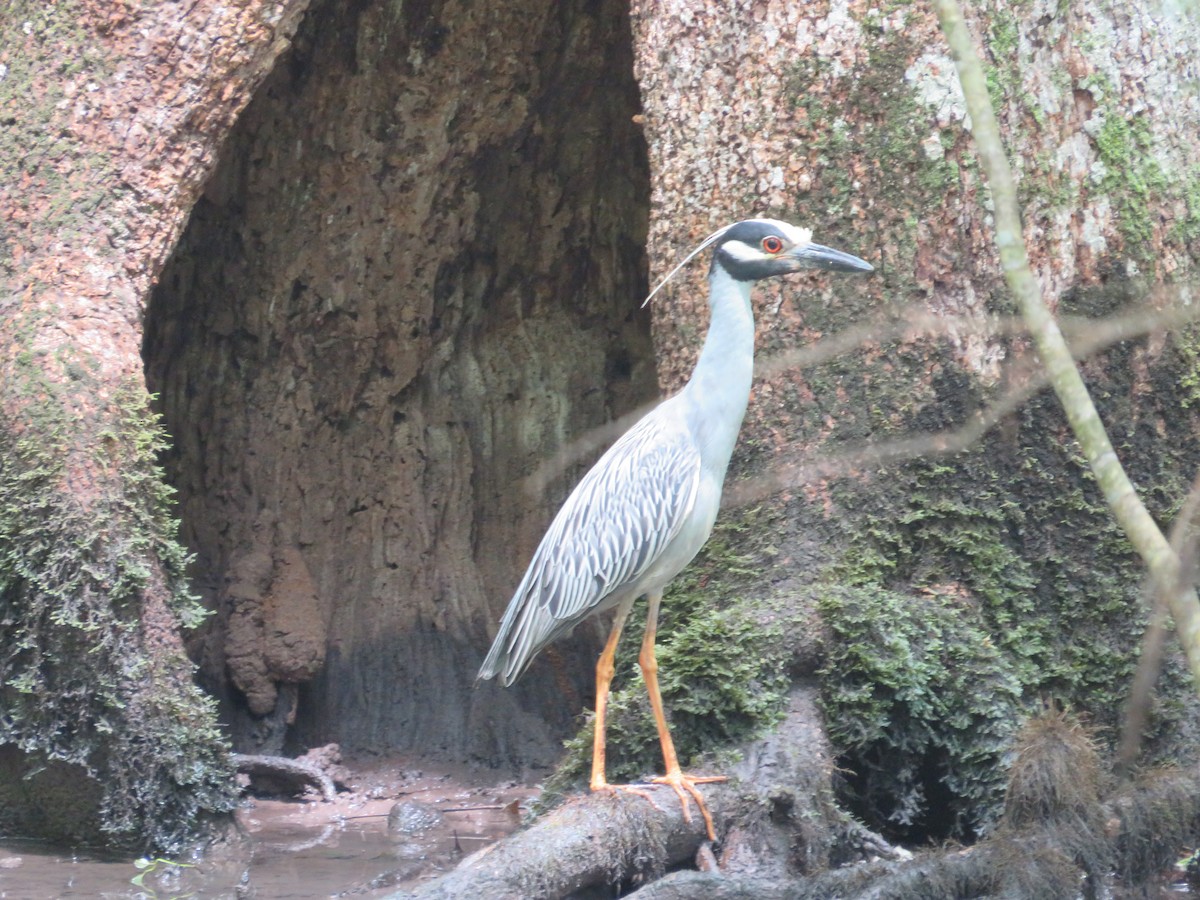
[[692, 534]]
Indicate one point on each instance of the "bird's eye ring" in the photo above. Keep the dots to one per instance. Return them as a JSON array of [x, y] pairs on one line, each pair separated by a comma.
[[772, 244]]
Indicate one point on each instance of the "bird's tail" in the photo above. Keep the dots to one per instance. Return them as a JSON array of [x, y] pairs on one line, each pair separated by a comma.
[[494, 664]]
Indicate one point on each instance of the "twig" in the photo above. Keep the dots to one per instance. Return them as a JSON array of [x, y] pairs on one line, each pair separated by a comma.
[[1026, 381], [1137, 707]]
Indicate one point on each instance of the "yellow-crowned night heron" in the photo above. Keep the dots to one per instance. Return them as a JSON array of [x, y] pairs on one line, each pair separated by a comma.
[[648, 505]]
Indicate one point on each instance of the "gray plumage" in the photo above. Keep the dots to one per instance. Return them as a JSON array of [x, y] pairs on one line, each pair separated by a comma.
[[648, 504], [604, 541]]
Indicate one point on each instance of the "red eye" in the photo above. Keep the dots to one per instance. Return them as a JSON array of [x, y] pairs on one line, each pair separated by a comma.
[[772, 244]]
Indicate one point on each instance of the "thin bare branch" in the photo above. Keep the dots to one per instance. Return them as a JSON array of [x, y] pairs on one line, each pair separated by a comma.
[[1025, 380], [1137, 708], [809, 467], [1089, 336], [913, 322]]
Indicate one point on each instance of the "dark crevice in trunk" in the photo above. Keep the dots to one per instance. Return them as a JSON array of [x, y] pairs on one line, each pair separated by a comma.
[[414, 276]]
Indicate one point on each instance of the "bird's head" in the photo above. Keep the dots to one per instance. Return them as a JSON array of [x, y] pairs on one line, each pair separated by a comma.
[[762, 248]]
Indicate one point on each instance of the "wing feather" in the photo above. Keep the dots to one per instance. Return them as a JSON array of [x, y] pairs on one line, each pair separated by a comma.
[[607, 535]]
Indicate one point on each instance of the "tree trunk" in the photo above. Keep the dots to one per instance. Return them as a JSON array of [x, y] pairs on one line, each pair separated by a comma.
[[848, 119], [112, 115], [407, 285]]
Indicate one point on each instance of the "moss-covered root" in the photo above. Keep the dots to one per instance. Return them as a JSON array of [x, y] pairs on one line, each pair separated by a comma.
[[1057, 827], [1145, 825], [918, 699]]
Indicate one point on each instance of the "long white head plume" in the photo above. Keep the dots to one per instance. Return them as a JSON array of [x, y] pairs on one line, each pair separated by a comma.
[[704, 245]]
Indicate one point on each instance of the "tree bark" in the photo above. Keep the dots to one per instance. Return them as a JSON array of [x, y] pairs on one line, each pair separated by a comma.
[[848, 119], [1160, 559], [112, 118]]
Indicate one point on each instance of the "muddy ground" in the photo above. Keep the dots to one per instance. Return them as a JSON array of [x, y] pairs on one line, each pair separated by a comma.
[[302, 846]]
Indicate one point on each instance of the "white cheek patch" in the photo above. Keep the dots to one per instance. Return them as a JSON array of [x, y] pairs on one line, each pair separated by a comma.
[[742, 252]]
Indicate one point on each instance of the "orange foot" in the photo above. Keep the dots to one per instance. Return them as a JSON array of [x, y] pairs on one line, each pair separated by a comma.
[[683, 786], [598, 786], [686, 784]]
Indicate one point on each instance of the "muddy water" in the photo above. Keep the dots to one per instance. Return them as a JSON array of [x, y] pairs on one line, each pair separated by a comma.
[[300, 848]]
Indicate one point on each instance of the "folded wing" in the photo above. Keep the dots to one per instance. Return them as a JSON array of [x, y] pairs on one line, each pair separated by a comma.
[[606, 538]]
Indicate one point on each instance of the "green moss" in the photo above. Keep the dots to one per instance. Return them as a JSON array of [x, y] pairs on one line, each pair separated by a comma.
[[168, 775], [889, 150], [939, 537], [1187, 342], [1132, 177], [936, 635], [1187, 230], [79, 680], [923, 701], [1005, 35], [1044, 186], [1014, 540], [1004, 74], [949, 615]]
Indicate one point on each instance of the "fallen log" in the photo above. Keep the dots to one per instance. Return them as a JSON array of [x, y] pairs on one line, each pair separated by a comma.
[[594, 840], [1145, 826], [1076, 844], [774, 816], [279, 774]]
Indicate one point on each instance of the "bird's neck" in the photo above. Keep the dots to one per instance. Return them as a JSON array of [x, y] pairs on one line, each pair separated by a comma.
[[720, 385]]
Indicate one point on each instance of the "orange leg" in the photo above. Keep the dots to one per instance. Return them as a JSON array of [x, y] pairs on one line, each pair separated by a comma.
[[604, 677], [683, 784]]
